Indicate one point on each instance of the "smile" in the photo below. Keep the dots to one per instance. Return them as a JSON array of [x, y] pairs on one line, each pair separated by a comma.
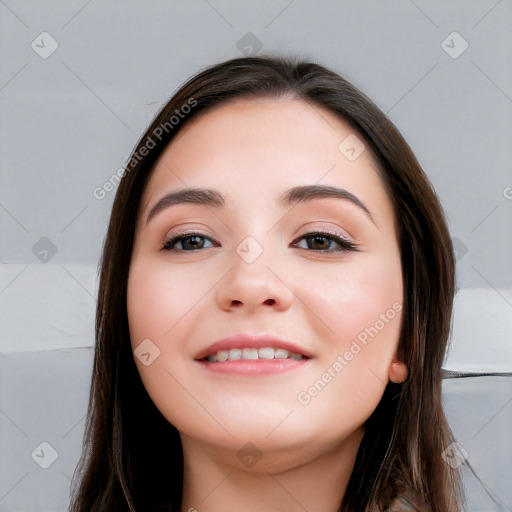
[[266, 353], [251, 355]]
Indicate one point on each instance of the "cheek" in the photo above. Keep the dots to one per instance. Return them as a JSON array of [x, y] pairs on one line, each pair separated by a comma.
[[353, 298], [375, 306], [161, 307], [362, 308], [158, 299]]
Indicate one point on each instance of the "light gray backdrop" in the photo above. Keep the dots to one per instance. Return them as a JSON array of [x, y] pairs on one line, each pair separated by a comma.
[[80, 81]]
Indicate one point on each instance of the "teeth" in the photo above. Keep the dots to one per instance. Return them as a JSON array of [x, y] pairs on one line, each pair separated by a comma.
[[252, 353], [266, 353], [248, 353], [281, 353], [235, 353], [222, 355]]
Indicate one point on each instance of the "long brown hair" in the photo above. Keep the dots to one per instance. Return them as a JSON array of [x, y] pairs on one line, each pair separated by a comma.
[[132, 458]]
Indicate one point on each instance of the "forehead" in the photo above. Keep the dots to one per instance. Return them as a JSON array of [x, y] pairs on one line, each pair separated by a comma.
[[255, 145]]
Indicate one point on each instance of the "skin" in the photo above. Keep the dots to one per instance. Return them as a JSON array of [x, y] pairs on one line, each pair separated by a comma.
[[252, 151]]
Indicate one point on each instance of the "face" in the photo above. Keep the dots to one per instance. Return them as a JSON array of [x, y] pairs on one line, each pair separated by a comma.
[[261, 276]]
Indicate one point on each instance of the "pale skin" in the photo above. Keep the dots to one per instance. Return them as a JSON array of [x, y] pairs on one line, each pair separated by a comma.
[[251, 152]]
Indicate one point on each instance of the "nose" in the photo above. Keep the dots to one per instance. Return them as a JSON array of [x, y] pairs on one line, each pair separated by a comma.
[[249, 286]]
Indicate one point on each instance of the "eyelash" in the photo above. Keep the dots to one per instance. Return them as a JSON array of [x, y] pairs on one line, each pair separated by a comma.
[[344, 244]]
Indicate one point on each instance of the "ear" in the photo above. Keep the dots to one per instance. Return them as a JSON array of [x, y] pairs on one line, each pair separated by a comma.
[[398, 371]]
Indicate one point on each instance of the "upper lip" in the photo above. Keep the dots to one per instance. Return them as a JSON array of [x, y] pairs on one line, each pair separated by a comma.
[[247, 340]]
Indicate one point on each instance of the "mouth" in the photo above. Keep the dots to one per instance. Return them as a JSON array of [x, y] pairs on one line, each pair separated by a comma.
[[252, 355]]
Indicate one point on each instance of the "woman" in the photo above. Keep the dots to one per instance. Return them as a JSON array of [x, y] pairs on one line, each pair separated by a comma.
[[275, 301]]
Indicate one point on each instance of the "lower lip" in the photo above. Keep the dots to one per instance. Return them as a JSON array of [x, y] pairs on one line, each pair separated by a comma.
[[254, 367]]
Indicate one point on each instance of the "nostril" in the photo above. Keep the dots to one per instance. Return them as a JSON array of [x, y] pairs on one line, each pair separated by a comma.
[[270, 302], [236, 303]]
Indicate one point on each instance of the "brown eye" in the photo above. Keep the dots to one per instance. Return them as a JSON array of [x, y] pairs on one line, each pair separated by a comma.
[[190, 242], [325, 242], [318, 242]]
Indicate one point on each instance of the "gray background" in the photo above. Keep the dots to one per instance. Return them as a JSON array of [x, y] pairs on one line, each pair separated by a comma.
[[69, 119]]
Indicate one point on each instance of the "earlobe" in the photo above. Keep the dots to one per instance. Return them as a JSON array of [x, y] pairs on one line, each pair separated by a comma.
[[398, 372]]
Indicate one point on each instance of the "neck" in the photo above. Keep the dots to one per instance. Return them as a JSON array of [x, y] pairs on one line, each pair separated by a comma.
[[302, 480]]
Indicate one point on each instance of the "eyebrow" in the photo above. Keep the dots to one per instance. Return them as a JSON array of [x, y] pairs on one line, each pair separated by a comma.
[[291, 197], [308, 192], [204, 196]]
